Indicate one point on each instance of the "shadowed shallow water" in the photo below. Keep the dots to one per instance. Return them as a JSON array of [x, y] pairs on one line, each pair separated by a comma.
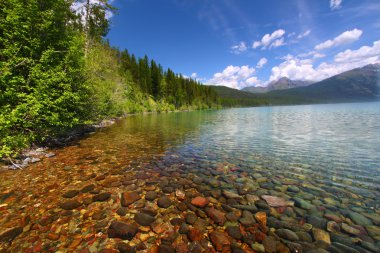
[[322, 160]]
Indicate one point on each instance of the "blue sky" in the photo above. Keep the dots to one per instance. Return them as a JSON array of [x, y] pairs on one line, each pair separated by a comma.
[[250, 42]]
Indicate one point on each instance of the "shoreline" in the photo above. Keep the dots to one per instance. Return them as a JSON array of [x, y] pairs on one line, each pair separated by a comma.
[[36, 153]]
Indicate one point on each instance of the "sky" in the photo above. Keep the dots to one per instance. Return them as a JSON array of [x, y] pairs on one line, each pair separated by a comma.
[[250, 42]]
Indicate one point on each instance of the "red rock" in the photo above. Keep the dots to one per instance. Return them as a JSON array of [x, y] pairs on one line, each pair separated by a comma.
[[217, 216], [220, 241], [261, 217], [128, 198], [199, 201], [37, 247], [53, 236], [195, 235]]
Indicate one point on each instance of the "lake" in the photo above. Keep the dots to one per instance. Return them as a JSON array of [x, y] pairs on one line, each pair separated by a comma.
[[267, 178]]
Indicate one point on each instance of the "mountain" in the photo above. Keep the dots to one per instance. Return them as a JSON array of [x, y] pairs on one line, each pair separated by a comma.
[[360, 84], [255, 89], [356, 85], [281, 84]]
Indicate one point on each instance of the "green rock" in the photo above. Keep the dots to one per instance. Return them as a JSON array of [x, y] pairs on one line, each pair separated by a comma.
[[302, 203], [359, 219]]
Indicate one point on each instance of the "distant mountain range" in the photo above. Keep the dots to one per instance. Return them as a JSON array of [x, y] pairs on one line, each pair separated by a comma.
[[281, 84], [356, 85]]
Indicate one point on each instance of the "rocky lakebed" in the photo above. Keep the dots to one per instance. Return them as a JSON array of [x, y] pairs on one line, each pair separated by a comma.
[[168, 204]]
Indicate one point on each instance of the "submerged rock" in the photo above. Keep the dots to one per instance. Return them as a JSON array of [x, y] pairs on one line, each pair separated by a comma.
[[287, 234], [70, 204], [234, 232], [274, 201], [247, 219], [351, 230], [220, 241], [231, 195], [88, 188], [144, 219], [301, 203], [217, 216], [122, 230], [101, 197], [125, 248], [151, 195], [70, 194], [261, 218], [128, 198], [199, 201], [190, 218], [321, 235], [359, 219], [195, 234], [10, 234], [164, 202]]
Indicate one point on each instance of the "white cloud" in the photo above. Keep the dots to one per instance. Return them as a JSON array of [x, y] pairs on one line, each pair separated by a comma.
[[270, 40], [305, 34], [256, 44], [277, 43], [293, 68], [236, 77], [304, 69], [252, 81], [362, 53], [318, 55], [343, 38], [314, 54], [261, 62], [193, 75], [335, 4], [239, 48]]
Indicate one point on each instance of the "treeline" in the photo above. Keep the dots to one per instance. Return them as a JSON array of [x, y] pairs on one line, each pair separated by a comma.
[[243, 102], [57, 72], [166, 85]]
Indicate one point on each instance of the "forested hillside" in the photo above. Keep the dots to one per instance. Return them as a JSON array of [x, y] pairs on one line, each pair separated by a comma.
[[58, 72]]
